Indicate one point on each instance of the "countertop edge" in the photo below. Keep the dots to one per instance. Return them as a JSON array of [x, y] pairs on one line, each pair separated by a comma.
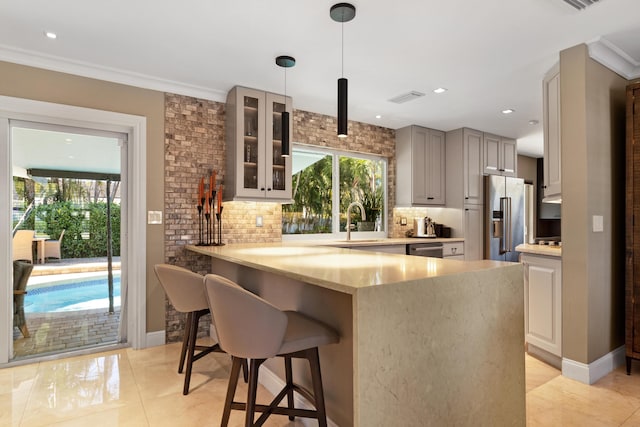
[[374, 242], [550, 251], [309, 279]]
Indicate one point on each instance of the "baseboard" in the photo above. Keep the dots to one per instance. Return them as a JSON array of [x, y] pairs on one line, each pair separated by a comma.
[[545, 356], [592, 372], [156, 338], [274, 384]]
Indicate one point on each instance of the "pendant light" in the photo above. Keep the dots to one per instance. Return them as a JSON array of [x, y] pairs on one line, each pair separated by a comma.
[[285, 62], [342, 12]]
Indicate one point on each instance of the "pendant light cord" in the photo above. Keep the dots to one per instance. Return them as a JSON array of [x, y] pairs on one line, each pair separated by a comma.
[[342, 27]]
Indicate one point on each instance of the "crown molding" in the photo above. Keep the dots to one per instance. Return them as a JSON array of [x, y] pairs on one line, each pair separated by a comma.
[[85, 69], [614, 58]]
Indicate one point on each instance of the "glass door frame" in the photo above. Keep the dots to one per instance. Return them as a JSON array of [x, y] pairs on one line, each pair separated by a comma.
[[134, 251]]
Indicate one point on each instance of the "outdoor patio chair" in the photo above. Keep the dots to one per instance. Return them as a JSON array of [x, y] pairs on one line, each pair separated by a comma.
[[52, 247], [23, 245], [21, 272]]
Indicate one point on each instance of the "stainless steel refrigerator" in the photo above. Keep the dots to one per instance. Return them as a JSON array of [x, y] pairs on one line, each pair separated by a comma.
[[504, 217]]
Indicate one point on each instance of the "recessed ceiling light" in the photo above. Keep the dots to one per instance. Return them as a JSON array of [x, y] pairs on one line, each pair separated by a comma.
[[72, 157], [378, 116], [508, 111], [51, 34], [440, 90], [68, 140], [533, 122]]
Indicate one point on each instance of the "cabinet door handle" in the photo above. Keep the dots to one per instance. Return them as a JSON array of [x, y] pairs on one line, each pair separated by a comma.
[[429, 198], [268, 189], [501, 170], [544, 186], [262, 189], [466, 198]]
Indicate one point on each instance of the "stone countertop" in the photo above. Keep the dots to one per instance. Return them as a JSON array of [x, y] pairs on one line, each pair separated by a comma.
[[376, 242], [340, 269], [555, 251]]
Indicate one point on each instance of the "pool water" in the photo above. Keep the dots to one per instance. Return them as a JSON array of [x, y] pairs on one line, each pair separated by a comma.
[[78, 295]]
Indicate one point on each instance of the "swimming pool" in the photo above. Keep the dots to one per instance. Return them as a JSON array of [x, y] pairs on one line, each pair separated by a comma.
[[72, 295]]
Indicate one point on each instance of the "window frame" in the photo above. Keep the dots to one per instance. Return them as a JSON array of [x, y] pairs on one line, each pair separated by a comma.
[[336, 234]]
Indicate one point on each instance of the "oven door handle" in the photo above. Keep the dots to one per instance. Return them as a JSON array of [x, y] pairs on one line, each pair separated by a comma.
[[424, 251]]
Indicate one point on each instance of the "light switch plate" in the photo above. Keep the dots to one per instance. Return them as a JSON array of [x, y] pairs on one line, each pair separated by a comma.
[[154, 217], [259, 221], [598, 224]]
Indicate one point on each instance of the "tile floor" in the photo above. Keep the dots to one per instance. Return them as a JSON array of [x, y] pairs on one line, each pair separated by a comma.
[[142, 388]]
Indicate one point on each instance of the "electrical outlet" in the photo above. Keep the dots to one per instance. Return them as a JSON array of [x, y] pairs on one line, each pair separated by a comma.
[[598, 224], [154, 217], [403, 221], [259, 221]]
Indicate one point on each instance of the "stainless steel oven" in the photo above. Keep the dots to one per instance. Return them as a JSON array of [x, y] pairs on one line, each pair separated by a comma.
[[434, 249]]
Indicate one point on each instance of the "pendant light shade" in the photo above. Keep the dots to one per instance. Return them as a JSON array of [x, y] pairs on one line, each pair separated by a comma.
[[285, 134], [342, 107], [285, 62], [342, 12]]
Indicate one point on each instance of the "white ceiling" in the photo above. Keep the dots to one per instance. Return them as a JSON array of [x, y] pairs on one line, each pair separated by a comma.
[[490, 54]]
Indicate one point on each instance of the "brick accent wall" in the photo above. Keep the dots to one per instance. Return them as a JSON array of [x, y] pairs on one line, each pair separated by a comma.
[[195, 145]]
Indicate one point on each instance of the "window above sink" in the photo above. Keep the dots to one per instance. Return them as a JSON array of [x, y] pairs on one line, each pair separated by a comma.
[[320, 174]]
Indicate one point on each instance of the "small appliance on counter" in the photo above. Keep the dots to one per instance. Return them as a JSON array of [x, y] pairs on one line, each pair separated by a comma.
[[424, 227], [550, 241]]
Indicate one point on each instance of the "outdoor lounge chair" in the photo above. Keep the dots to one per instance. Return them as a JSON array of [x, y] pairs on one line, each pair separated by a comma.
[[52, 247], [23, 245], [21, 272]]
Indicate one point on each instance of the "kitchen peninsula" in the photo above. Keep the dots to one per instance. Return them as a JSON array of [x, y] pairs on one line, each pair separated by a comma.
[[424, 341]]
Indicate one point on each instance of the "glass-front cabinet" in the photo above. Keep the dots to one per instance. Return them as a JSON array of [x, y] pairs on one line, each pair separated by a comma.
[[256, 169]]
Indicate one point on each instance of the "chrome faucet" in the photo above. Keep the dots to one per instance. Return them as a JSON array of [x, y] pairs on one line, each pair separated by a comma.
[[364, 217]]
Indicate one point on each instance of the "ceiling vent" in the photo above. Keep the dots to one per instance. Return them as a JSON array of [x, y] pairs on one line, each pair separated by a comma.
[[406, 97], [580, 4]]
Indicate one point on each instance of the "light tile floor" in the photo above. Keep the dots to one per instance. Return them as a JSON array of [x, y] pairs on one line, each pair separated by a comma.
[[142, 388]]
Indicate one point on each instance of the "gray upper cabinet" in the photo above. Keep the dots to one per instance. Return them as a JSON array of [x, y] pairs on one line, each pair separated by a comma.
[[500, 155], [420, 176], [256, 170], [552, 145], [464, 185], [472, 170]]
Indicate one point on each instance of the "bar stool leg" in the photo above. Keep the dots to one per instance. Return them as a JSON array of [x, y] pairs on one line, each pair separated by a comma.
[[289, 378], [185, 342], [253, 390], [193, 334], [316, 378], [236, 364]]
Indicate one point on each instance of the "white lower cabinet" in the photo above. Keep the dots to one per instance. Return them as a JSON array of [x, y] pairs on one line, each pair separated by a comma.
[[543, 302], [453, 250]]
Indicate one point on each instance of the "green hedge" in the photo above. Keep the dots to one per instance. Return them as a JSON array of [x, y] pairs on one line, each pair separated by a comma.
[[90, 220]]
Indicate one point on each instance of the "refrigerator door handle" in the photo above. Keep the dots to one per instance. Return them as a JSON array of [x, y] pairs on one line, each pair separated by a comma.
[[507, 222], [503, 236]]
